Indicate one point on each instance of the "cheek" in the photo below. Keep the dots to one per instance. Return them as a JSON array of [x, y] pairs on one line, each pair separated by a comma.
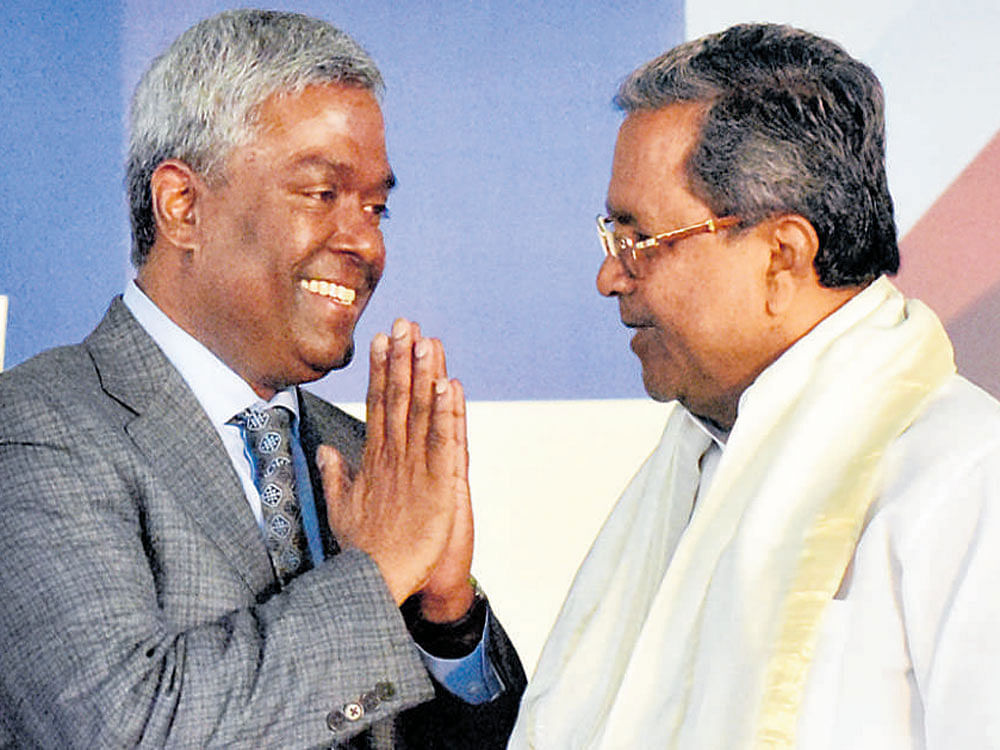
[[248, 232], [681, 309], [695, 330]]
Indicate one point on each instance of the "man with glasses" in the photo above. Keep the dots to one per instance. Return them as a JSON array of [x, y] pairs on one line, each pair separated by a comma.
[[809, 556], [196, 553]]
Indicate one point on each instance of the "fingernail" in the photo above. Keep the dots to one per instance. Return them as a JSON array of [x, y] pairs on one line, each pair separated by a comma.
[[380, 345], [422, 349], [321, 457], [399, 328], [440, 386]]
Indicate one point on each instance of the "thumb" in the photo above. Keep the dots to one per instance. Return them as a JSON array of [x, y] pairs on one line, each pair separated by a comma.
[[333, 471]]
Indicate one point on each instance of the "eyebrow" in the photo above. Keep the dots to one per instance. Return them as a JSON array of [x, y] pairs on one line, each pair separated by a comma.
[[620, 216], [387, 183]]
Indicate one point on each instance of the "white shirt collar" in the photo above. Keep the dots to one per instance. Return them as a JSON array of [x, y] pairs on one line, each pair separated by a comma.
[[220, 391], [719, 436]]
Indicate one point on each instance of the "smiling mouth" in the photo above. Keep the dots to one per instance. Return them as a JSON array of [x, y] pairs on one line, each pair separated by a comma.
[[342, 295]]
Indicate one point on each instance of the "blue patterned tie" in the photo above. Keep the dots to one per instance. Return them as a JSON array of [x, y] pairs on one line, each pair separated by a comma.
[[268, 435]]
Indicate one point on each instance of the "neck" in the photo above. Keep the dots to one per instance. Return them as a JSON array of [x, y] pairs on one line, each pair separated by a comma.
[[795, 323], [157, 279]]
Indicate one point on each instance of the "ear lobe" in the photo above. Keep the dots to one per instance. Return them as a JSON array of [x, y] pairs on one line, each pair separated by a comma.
[[175, 191], [794, 246]]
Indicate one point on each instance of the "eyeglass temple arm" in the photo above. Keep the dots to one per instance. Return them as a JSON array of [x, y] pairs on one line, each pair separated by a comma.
[[709, 225]]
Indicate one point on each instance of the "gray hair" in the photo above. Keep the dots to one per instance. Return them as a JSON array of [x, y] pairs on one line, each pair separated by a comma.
[[792, 124], [201, 98]]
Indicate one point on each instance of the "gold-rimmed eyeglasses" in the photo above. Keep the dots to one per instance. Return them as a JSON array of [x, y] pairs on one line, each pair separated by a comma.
[[634, 255]]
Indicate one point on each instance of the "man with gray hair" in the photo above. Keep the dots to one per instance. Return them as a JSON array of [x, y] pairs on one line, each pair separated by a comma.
[[809, 556], [197, 553]]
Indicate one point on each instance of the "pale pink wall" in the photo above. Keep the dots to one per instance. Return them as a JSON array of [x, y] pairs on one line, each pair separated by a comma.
[[951, 260]]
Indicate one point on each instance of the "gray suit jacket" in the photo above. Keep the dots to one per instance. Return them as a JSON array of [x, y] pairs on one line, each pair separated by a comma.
[[138, 606]]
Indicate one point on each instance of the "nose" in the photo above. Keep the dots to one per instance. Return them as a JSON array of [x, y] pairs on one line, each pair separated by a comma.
[[612, 279], [355, 230]]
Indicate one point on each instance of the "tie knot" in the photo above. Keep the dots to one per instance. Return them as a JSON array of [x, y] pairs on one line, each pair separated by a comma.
[[255, 419]]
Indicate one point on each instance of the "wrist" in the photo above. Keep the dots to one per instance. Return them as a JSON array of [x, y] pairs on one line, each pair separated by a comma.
[[452, 638], [448, 607]]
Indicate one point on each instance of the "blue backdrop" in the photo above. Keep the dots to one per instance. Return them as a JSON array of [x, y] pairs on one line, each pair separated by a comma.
[[500, 130]]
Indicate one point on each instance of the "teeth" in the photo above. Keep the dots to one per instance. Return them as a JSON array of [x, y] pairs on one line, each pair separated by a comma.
[[342, 294]]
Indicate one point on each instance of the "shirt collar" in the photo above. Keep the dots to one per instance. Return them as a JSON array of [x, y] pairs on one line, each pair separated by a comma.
[[220, 391], [719, 436]]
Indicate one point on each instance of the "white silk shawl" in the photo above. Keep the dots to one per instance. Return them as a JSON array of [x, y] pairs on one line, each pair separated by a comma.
[[699, 634]]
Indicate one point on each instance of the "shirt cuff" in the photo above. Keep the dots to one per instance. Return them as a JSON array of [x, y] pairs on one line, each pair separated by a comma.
[[471, 678]]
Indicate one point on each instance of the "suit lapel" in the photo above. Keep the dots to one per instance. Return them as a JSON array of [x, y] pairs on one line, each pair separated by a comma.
[[321, 423], [179, 441]]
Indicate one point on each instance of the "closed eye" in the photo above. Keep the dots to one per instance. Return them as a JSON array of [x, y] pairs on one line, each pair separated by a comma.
[[324, 195], [378, 211]]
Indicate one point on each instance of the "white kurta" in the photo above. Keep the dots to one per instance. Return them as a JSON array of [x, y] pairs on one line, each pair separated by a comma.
[[673, 629], [910, 656]]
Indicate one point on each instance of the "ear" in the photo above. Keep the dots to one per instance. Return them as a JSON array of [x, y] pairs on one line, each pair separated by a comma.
[[794, 244], [175, 189]]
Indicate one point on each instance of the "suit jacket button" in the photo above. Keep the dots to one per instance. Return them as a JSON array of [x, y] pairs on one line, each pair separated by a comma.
[[354, 711], [335, 720]]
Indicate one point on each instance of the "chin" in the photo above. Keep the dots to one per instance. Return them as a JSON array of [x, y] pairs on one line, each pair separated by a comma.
[[314, 367], [335, 361], [655, 390], [346, 357]]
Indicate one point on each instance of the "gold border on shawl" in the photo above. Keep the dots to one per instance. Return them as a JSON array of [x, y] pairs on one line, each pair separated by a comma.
[[828, 548]]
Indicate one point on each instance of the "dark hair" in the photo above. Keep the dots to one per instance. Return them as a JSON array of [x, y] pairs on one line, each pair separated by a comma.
[[792, 124], [200, 99]]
